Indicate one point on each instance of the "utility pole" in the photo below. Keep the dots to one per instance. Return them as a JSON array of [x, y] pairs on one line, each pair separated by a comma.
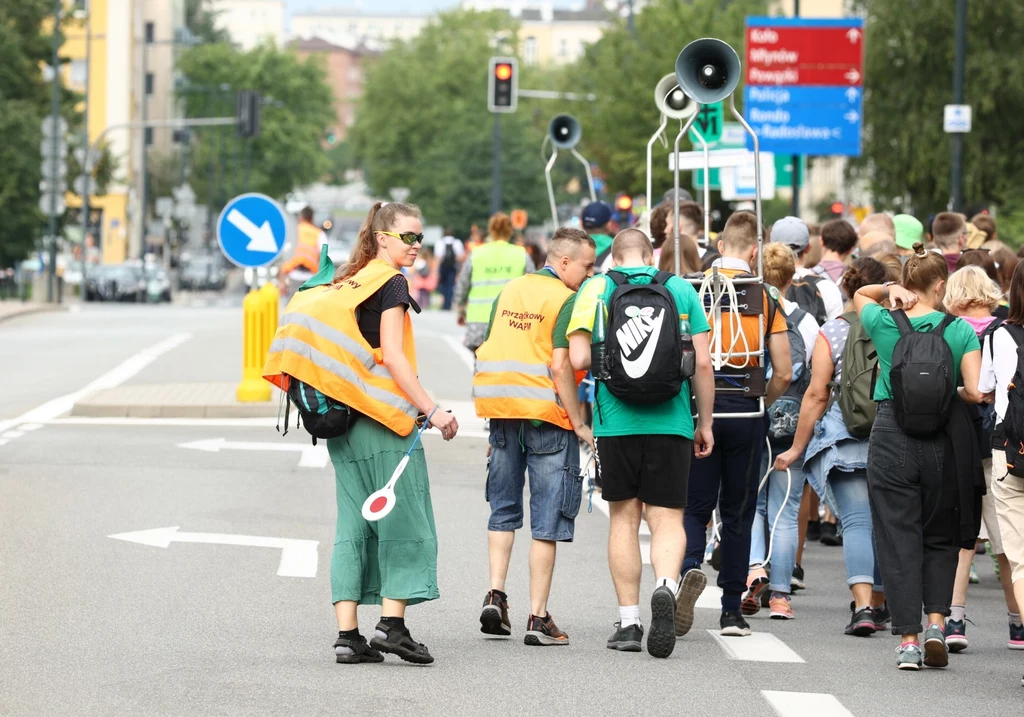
[[87, 156], [959, 67], [496, 166], [796, 157], [631, 22], [51, 282]]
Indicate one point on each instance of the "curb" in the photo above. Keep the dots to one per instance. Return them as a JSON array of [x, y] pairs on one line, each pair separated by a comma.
[[32, 309]]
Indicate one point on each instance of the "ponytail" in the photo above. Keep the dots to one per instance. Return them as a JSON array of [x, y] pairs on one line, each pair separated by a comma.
[[923, 269], [381, 217]]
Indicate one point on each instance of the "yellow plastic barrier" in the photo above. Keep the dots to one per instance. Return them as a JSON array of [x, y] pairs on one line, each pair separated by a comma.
[[256, 336], [273, 299]]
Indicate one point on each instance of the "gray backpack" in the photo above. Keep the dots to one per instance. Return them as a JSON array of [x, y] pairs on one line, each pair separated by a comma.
[[785, 412]]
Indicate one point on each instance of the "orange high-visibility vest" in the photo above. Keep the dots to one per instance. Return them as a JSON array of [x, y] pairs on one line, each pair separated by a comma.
[[319, 343], [307, 250], [513, 378]]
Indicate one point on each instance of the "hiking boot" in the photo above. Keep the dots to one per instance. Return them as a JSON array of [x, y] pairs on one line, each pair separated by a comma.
[[494, 616], [781, 607], [751, 604], [626, 639], [662, 638], [830, 535], [862, 622], [690, 589], [955, 633], [1016, 637], [908, 657], [542, 632], [882, 617], [936, 654], [354, 650], [733, 625], [398, 642], [797, 581]]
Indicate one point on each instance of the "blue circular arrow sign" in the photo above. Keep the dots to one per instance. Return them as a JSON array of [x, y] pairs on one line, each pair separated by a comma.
[[252, 230]]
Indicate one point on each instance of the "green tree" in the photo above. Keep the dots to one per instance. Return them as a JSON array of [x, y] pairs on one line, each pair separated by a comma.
[[423, 123], [201, 21], [298, 108], [339, 158], [908, 78], [622, 69]]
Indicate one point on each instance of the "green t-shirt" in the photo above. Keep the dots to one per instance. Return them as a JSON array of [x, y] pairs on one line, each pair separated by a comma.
[[882, 329], [559, 337], [603, 242], [612, 416]]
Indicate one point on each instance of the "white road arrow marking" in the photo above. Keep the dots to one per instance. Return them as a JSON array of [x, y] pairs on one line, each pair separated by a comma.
[[852, 95], [851, 116], [261, 238], [853, 76], [298, 557], [837, 133], [311, 456], [853, 35]]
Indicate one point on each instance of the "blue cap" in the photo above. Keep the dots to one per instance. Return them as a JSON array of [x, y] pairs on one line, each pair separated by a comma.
[[596, 215]]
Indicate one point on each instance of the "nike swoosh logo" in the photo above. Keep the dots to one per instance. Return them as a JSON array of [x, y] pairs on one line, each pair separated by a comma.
[[638, 366]]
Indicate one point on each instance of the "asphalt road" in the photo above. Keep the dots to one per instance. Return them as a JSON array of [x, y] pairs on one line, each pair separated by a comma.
[[92, 625]]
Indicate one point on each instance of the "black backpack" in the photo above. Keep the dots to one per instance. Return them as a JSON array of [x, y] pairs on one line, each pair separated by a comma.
[[922, 377], [321, 415], [448, 260], [644, 350], [805, 293], [1013, 422]]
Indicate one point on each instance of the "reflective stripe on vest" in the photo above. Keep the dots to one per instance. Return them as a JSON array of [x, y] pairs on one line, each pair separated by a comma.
[[514, 378], [494, 265], [319, 343]]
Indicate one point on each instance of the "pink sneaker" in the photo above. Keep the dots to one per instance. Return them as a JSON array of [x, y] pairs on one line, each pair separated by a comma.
[[781, 608]]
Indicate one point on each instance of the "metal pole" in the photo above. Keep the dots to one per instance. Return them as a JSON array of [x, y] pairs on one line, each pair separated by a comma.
[[675, 185], [51, 281], [796, 157], [145, 147], [650, 149], [496, 166], [85, 141], [551, 189], [959, 62], [631, 23]]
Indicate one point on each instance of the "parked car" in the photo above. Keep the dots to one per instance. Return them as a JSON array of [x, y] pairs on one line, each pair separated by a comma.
[[202, 273], [158, 285], [116, 282]]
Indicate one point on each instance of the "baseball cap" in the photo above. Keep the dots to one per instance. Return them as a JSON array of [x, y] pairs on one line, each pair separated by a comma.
[[684, 195], [908, 231], [596, 215], [792, 232]]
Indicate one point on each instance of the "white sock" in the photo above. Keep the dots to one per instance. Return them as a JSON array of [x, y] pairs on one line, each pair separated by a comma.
[[1014, 618], [957, 612], [629, 615], [669, 583]]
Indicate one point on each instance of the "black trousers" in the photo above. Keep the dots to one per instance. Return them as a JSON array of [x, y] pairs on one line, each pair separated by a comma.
[[915, 518]]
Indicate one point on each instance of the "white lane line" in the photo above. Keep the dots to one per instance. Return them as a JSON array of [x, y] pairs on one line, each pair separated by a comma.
[[805, 704], [12, 434], [30, 427], [115, 377], [758, 647], [462, 352]]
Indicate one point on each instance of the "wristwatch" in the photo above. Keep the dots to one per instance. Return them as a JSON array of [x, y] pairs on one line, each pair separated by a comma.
[[886, 286]]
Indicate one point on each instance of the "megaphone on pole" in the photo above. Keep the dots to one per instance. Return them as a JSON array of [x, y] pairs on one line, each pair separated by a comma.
[[564, 132], [673, 103], [708, 70]]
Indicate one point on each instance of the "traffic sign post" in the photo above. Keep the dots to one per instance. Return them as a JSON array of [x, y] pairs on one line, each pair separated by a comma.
[[956, 119], [805, 81], [252, 230]]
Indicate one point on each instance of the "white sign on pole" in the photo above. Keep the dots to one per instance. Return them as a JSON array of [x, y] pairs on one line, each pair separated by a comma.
[[79, 185], [49, 123], [956, 119], [738, 182], [47, 150], [184, 194], [165, 207], [45, 202], [58, 187]]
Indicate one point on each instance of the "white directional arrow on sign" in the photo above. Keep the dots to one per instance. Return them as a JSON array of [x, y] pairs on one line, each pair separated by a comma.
[[853, 76], [261, 238], [851, 116], [312, 456], [853, 35], [298, 557], [852, 95]]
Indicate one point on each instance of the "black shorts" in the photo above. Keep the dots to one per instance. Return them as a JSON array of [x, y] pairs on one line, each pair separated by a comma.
[[655, 469]]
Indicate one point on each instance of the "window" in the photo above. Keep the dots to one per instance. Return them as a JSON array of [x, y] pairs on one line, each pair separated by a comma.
[[77, 73], [148, 136], [530, 51], [563, 48], [150, 82], [150, 32]]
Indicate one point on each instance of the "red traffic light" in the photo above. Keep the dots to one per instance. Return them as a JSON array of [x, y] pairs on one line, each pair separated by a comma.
[[503, 71], [838, 207], [624, 203]]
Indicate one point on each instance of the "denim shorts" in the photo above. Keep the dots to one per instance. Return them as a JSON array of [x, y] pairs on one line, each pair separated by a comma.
[[551, 455]]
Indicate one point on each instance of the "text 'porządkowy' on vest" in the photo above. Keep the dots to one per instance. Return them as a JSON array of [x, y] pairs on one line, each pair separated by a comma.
[[514, 378], [319, 343], [494, 265]]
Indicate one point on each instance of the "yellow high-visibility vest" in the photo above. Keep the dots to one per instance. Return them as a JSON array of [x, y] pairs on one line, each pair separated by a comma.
[[494, 265]]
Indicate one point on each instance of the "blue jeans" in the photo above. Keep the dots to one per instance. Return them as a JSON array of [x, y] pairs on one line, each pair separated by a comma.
[[552, 457], [787, 539], [851, 493]]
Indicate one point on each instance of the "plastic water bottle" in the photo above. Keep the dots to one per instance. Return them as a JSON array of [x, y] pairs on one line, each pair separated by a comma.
[[688, 363], [598, 349]]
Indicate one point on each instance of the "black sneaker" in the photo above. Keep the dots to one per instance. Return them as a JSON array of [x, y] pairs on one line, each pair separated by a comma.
[[797, 581], [733, 625], [626, 639], [662, 638], [494, 617], [814, 530], [400, 643], [862, 622], [830, 535], [353, 650], [882, 617]]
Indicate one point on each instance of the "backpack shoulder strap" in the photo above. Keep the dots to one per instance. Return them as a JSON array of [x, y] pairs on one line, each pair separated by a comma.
[[599, 261], [662, 278], [941, 328], [797, 316], [617, 277], [1016, 333], [850, 317], [902, 322]]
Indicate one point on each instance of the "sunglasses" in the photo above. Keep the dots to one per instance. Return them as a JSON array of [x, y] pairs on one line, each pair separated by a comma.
[[407, 237]]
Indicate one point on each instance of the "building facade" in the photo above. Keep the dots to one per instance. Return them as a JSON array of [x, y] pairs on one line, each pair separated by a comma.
[[250, 22], [350, 28], [345, 73]]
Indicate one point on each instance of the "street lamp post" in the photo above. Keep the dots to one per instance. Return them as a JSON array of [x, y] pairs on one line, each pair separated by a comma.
[[51, 281], [959, 62]]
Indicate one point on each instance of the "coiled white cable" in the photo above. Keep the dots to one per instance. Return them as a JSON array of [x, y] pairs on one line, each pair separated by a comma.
[[789, 489], [721, 357]]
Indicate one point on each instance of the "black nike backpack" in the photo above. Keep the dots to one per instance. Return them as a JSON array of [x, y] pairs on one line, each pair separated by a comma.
[[922, 377], [643, 341]]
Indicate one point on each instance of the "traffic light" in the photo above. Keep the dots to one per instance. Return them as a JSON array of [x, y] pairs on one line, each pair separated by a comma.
[[503, 84], [624, 210], [247, 112], [837, 209]]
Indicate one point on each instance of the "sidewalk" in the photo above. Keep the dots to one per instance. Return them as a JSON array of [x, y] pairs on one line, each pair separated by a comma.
[[172, 400], [9, 309]]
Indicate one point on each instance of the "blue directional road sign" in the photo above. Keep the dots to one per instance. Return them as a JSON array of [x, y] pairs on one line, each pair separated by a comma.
[[252, 230], [824, 120]]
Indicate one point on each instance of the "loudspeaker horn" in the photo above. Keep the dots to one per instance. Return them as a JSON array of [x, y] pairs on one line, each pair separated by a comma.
[[671, 100], [564, 131], [708, 70]]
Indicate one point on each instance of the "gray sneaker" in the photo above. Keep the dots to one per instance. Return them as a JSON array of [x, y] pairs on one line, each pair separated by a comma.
[[935, 652], [626, 639], [690, 588], [908, 657]]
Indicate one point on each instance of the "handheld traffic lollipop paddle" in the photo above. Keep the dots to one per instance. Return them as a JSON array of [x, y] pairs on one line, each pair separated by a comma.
[[381, 502]]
